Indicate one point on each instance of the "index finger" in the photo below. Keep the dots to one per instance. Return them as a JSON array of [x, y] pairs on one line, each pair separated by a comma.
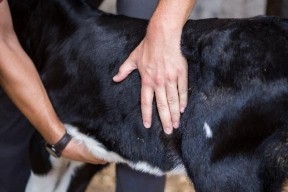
[[147, 95]]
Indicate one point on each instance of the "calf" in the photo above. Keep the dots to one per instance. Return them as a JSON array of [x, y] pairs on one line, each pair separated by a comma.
[[233, 135]]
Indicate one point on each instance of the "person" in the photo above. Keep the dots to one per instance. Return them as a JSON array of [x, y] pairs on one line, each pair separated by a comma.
[[158, 58]]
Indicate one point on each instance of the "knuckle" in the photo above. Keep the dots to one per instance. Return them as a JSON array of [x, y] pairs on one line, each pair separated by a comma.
[[175, 113], [182, 72], [146, 100], [145, 80], [172, 100], [171, 77], [183, 91], [122, 70], [159, 80], [145, 103], [162, 107]]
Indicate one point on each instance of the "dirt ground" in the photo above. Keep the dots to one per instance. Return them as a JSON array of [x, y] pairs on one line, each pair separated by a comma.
[[105, 182]]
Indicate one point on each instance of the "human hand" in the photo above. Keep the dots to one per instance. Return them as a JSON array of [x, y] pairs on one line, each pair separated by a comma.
[[163, 71], [77, 151]]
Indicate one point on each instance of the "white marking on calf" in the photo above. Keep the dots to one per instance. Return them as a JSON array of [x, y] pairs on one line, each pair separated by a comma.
[[95, 147], [145, 167], [67, 176], [99, 151], [207, 130], [59, 177], [37, 183]]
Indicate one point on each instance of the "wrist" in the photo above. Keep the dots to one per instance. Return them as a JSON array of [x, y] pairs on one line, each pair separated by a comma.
[[171, 15], [53, 133], [163, 35], [164, 27], [57, 148]]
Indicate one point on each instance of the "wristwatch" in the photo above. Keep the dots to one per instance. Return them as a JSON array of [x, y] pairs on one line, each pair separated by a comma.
[[56, 149]]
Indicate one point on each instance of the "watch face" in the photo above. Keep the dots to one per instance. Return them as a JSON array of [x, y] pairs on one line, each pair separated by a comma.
[[52, 151]]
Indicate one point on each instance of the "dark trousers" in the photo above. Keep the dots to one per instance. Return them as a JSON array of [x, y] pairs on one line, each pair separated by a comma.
[[15, 134], [129, 180], [142, 9]]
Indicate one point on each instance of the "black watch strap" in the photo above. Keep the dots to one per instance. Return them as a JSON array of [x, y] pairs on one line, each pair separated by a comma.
[[57, 148]]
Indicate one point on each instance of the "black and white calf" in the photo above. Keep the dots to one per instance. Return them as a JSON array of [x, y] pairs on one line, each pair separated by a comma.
[[234, 132]]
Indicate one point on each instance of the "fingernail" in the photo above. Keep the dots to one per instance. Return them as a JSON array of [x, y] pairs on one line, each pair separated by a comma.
[[168, 131], [182, 109], [176, 125], [147, 125]]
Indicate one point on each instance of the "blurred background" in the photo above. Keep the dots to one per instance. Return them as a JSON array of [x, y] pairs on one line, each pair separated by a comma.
[[105, 181], [226, 8]]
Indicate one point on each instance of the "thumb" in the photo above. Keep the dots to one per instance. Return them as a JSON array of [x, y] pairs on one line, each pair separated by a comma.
[[126, 68]]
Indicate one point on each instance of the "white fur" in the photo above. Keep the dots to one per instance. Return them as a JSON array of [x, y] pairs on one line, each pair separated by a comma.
[[95, 147], [37, 182], [49, 182], [66, 177], [208, 131], [145, 167], [58, 179], [99, 151], [178, 170]]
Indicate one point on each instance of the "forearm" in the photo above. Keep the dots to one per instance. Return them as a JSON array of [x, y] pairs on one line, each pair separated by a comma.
[[170, 16], [21, 82]]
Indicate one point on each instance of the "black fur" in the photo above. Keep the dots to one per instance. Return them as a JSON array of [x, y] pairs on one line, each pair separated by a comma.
[[238, 70]]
